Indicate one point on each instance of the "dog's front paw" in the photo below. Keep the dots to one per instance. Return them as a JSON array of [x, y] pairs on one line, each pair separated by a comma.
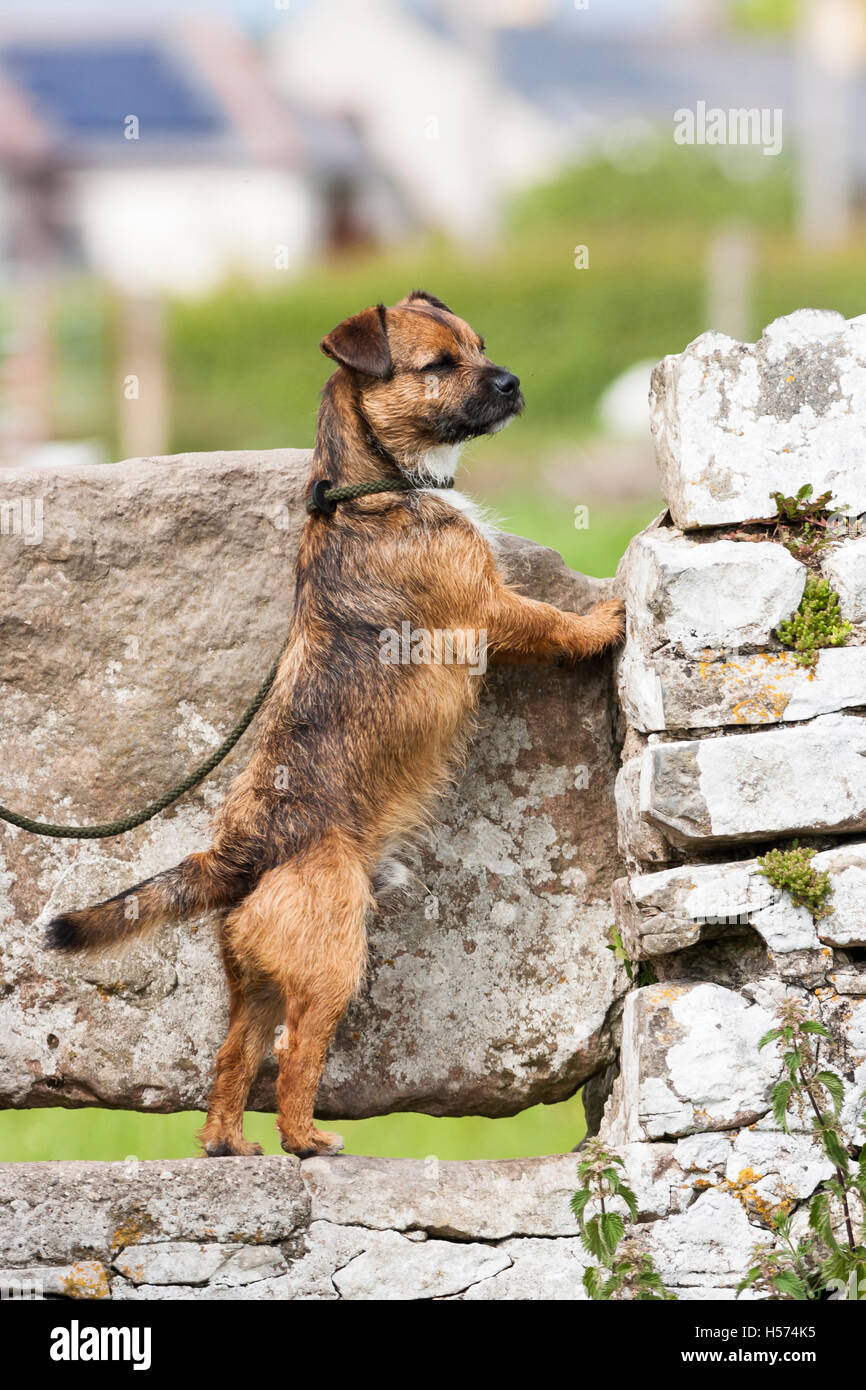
[[609, 616], [602, 627]]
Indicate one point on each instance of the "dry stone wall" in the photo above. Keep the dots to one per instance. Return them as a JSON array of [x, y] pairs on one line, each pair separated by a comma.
[[495, 988], [733, 747]]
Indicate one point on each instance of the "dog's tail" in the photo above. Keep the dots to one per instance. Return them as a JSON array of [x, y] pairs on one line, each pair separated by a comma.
[[195, 885]]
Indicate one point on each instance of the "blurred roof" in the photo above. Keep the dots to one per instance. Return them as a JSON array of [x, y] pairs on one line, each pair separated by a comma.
[[86, 88], [558, 66], [200, 90]]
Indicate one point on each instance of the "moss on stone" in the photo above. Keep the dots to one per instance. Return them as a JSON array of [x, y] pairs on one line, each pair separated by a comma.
[[817, 623], [792, 870]]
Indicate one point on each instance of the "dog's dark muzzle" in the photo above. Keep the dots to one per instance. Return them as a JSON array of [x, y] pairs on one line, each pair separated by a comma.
[[496, 400], [504, 396]]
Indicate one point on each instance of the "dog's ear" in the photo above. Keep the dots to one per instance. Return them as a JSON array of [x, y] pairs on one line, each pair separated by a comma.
[[414, 295], [361, 343]]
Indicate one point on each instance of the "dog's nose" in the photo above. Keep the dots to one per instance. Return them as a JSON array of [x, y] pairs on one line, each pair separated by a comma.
[[506, 383]]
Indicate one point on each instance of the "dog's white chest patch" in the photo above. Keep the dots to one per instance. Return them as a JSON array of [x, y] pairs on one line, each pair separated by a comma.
[[440, 462], [471, 509]]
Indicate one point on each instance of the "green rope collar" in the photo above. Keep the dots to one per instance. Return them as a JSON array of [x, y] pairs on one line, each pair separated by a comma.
[[325, 496]]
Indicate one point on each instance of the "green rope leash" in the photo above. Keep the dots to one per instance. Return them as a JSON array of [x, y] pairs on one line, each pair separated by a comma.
[[119, 827], [324, 497]]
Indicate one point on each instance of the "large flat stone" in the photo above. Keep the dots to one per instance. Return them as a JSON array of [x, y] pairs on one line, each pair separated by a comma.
[[56, 1213], [538, 1271], [132, 635], [706, 1247], [670, 911], [522, 1196], [760, 785], [658, 913], [400, 1269], [735, 421]]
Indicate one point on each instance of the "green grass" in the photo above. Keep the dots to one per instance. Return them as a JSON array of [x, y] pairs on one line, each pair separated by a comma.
[[33, 1135], [595, 550]]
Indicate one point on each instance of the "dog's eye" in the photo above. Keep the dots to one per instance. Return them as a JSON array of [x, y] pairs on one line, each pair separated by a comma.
[[444, 359], [482, 346]]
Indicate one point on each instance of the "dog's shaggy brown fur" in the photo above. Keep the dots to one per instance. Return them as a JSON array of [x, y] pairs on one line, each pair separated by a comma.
[[349, 752]]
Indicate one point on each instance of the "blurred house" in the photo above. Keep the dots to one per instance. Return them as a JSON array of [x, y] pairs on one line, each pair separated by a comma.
[[466, 101], [426, 92], [164, 159]]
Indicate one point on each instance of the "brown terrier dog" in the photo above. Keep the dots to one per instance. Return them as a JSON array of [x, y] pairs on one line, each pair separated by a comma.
[[351, 750]]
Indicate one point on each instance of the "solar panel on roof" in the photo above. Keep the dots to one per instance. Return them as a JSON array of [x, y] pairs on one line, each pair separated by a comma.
[[90, 88]]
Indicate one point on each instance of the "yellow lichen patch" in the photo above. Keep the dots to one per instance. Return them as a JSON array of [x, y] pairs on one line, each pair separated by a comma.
[[744, 1188], [664, 993], [244, 1238], [752, 686], [86, 1279], [131, 1231], [751, 712]]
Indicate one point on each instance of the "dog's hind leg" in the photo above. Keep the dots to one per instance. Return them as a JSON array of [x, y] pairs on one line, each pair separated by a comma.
[[255, 1009], [303, 927], [321, 975]]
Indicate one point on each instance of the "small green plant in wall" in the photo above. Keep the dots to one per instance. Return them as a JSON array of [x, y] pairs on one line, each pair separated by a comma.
[[802, 507], [803, 522], [640, 973], [817, 623], [624, 1271], [792, 870]]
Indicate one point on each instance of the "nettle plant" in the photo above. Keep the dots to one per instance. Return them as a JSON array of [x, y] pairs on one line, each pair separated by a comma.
[[624, 1271], [804, 523], [831, 1256]]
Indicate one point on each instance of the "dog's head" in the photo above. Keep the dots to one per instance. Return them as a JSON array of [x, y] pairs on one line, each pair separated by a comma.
[[424, 381]]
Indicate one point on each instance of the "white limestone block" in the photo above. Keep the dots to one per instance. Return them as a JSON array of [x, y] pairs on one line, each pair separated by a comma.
[[757, 786], [734, 422]]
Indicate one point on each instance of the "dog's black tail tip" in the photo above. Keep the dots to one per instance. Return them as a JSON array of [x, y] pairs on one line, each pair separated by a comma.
[[63, 934]]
